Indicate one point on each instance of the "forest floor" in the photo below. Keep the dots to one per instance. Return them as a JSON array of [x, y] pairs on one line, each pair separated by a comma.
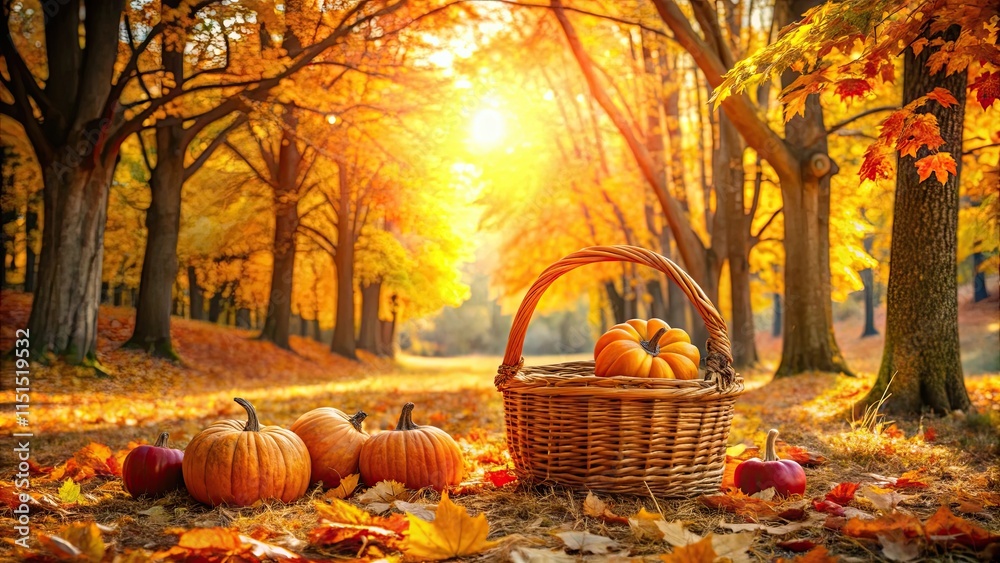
[[83, 424]]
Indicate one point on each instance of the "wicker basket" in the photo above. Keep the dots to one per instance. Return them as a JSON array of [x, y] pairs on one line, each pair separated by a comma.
[[619, 434]]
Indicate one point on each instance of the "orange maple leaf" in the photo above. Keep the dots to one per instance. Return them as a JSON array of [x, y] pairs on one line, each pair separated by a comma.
[[906, 524], [738, 503], [939, 164], [818, 554], [943, 97], [699, 552], [842, 493], [945, 526]]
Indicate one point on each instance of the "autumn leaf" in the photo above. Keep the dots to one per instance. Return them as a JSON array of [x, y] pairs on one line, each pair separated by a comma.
[[800, 455], [597, 508], [943, 97], [883, 499], [700, 552], [585, 542], [215, 539], [69, 492], [930, 435], [741, 504], [828, 507], [897, 547], [843, 493], [424, 511], [344, 489], [818, 554], [676, 533], [645, 524], [453, 533], [945, 527], [906, 524], [939, 164], [384, 492], [987, 88], [79, 541], [346, 527], [773, 530], [848, 88], [798, 546]]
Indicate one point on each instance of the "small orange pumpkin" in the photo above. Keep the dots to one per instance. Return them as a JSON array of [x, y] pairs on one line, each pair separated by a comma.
[[334, 440], [416, 456], [639, 348], [239, 463]]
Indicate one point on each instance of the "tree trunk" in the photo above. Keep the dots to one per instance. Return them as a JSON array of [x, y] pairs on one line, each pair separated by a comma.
[[778, 322], [243, 318], [215, 304], [303, 327], [369, 335], [657, 304], [159, 262], [868, 281], [64, 312], [317, 332], [921, 357], [195, 296], [728, 175], [286, 222], [119, 295], [343, 262], [617, 302], [387, 329], [979, 291], [30, 232]]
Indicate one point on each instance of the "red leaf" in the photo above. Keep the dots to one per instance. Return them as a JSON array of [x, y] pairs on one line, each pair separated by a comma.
[[939, 164], [842, 493], [930, 435], [500, 477], [798, 546], [987, 88], [828, 507], [943, 97], [848, 88], [818, 554], [905, 524], [876, 166], [800, 455], [893, 431], [739, 503]]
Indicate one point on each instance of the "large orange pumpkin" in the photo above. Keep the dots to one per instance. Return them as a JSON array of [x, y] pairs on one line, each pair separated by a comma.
[[239, 463], [416, 456], [334, 440], [650, 348]]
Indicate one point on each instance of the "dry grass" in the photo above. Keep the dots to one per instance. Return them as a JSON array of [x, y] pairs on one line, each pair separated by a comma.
[[71, 408]]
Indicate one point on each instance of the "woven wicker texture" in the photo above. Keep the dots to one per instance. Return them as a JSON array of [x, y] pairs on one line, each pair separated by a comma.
[[619, 434]]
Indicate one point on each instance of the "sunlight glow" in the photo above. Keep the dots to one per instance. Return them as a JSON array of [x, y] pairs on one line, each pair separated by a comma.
[[488, 127]]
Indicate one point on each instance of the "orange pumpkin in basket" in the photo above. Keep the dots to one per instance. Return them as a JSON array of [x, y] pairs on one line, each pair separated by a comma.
[[639, 348]]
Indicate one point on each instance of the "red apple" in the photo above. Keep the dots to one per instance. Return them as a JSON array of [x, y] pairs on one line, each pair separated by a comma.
[[755, 475], [153, 470]]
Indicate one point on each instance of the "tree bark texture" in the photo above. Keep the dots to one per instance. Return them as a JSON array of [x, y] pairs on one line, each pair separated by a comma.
[[195, 296], [343, 333], [921, 355], [369, 336]]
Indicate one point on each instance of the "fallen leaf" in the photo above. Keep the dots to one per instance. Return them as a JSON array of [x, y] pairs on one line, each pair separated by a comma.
[[930, 435], [645, 524], [453, 533], [500, 477], [732, 547], [739, 503], [597, 508], [773, 530], [818, 554], [699, 552], [843, 493], [766, 494], [970, 507], [268, 551], [154, 512], [346, 526], [893, 431], [800, 455], [424, 511], [345, 489], [945, 527], [906, 524], [884, 499], [533, 555], [828, 507], [69, 492], [79, 541], [586, 542], [897, 547], [910, 480], [676, 533], [384, 492], [798, 546], [210, 538]]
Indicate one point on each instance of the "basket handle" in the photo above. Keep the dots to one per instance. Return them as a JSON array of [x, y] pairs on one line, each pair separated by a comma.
[[719, 360]]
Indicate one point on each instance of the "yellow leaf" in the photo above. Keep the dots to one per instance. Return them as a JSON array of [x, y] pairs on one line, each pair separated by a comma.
[[384, 492], [701, 552], [453, 533], [79, 541], [676, 533], [644, 525], [345, 489], [69, 492]]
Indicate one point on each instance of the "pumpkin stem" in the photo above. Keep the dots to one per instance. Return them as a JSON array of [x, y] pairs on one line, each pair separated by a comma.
[[652, 346], [253, 424], [357, 419], [405, 420], [769, 453], [161, 442]]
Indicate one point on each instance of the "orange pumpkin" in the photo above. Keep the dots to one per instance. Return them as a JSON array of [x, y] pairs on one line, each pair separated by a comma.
[[639, 348], [334, 440], [416, 456], [239, 463]]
